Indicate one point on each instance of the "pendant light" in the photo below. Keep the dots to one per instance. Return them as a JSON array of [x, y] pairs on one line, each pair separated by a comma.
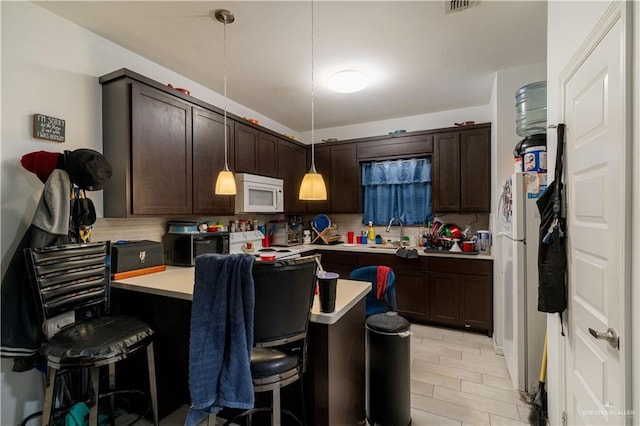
[[312, 187], [226, 182]]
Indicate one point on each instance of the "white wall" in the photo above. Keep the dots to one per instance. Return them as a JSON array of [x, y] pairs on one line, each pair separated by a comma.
[[568, 25], [479, 114]]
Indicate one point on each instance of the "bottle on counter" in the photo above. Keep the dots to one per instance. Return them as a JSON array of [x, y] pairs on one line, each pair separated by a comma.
[[371, 234]]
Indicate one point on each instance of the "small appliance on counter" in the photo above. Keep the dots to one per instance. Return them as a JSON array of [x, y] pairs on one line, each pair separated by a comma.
[[286, 234], [183, 243]]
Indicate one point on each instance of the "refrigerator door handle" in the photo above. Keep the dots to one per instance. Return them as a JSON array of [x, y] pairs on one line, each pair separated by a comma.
[[517, 240]]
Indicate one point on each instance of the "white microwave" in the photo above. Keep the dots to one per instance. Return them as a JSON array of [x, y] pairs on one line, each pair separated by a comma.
[[259, 194]]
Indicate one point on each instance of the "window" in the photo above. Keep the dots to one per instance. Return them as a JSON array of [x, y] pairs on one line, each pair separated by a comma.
[[398, 188]]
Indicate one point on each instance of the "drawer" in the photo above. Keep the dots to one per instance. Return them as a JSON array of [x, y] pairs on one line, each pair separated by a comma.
[[420, 264], [367, 259], [338, 257], [461, 266]]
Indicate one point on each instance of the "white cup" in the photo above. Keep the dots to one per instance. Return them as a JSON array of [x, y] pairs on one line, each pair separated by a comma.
[[484, 241]]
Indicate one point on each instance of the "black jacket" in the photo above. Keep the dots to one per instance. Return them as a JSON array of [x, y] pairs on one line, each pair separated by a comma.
[[22, 335]]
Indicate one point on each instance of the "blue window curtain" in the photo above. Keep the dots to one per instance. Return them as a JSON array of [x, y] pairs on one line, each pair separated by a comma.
[[399, 188]]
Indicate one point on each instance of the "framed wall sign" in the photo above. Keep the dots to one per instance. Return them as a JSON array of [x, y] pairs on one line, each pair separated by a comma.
[[49, 128]]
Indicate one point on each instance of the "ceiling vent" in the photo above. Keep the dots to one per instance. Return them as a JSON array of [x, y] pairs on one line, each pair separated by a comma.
[[452, 6]]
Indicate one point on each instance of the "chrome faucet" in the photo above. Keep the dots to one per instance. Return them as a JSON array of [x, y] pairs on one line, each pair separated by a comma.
[[399, 222]]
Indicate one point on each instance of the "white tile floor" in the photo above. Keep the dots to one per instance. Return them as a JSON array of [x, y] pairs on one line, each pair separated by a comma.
[[456, 379]]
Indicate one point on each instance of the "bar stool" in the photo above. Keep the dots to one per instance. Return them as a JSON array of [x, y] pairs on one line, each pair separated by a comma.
[[71, 287], [284, 292]]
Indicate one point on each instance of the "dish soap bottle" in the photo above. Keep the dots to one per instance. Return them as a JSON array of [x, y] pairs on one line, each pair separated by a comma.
[[371, 234]]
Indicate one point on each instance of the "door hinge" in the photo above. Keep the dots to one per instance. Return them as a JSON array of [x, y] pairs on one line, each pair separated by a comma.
[[563, 418]]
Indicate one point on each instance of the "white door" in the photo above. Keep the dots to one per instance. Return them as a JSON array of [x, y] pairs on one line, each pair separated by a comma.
[[598, 190]]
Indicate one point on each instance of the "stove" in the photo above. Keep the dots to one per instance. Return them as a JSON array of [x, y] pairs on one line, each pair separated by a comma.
[[251, 242], [278, 252]]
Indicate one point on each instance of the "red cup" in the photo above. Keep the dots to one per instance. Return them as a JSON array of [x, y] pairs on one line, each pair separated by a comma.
[[468, 246], [350, 237], [266, 241]]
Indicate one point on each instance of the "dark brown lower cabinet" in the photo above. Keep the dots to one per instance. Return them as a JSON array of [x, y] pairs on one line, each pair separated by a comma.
[[462, 298], [476, 308], [432, 290], [445, 298], [413, 288], [339, 261]]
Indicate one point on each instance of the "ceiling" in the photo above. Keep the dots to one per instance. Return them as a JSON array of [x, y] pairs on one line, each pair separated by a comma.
[[419, 59]]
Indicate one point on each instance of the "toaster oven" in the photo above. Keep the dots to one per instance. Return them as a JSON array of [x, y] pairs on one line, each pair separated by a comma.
[[286, 234]]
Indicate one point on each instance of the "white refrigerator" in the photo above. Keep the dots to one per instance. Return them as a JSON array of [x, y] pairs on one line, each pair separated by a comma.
[[524, 326]]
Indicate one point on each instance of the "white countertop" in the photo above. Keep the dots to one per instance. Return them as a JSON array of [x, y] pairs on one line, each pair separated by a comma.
[[367, 248], [178, 282]]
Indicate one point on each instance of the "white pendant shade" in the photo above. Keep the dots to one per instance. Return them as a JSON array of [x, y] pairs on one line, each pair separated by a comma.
[[313, 187], [226, 183]]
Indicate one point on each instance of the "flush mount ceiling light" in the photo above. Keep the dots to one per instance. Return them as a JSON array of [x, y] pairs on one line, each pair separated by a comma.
[[348, 81]]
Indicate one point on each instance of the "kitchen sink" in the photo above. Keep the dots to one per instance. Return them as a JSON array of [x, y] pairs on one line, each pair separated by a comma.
[[381, 247]]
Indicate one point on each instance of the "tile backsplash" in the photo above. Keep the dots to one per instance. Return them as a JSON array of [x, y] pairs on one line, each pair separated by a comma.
[[153, 228], [353, 222]]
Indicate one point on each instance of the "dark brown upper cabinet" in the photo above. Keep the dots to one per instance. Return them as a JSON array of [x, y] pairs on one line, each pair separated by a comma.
[[462, 170], [147, 140], [165, 148], [339, 167], [345, 179], [292, 165], [256, 152], [208, 160], [414, 144], [475, 165]]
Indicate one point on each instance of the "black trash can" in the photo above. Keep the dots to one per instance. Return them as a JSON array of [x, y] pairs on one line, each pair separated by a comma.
[[388, 363]]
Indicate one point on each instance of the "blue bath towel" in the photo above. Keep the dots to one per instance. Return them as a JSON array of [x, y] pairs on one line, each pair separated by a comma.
[[221, 335]]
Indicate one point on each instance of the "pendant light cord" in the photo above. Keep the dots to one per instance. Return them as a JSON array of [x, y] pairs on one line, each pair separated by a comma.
[[226, 137], [313, 138]]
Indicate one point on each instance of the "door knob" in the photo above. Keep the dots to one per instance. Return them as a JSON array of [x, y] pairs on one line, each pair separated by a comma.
[[610, 336]]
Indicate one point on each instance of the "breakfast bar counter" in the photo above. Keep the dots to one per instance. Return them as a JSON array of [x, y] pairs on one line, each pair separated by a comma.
[[335, 382], [177, 282]]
